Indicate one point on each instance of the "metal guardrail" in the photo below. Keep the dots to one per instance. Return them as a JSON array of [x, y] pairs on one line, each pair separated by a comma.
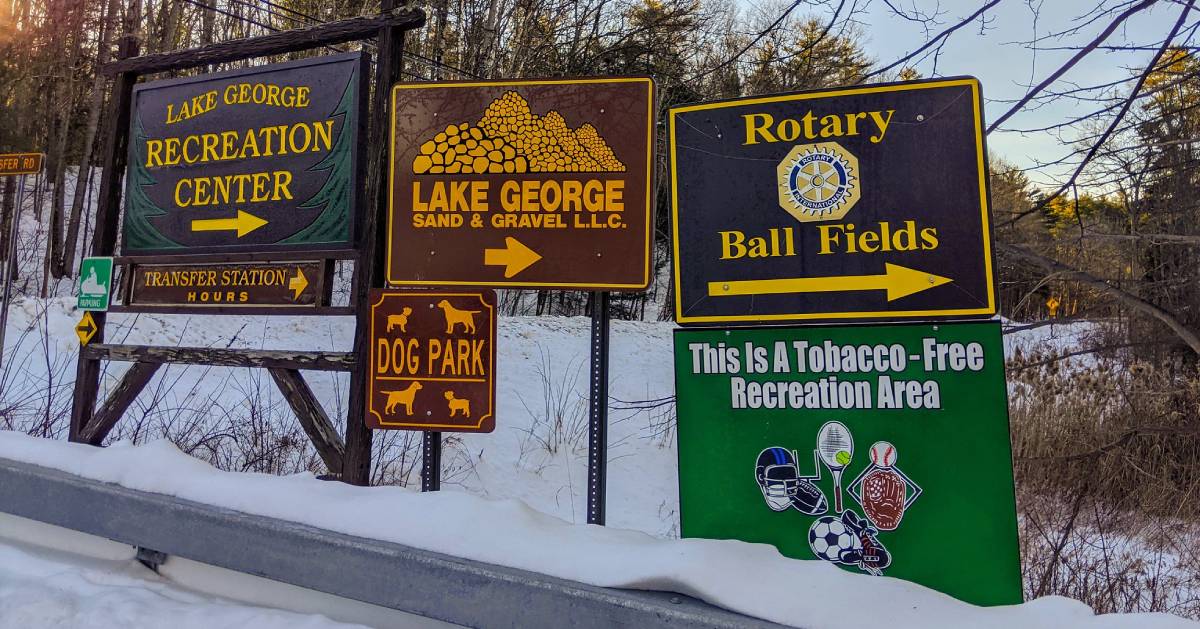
[[399, 577]]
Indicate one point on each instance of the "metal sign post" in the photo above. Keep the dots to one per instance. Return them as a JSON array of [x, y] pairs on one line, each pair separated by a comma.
[[431, 461], [598, 410]]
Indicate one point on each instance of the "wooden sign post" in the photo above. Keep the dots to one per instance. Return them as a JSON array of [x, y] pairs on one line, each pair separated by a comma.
[[244, 186]]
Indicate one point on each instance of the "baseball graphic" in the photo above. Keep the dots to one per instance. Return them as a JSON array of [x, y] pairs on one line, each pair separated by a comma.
[[883, 454], [884, 490]]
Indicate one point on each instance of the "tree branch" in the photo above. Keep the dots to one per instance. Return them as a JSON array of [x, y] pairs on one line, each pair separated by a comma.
[[1129, 299]]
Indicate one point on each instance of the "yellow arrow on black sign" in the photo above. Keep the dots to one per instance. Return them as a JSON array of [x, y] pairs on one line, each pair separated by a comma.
[[86, 328], [898, 281], [243, 224]]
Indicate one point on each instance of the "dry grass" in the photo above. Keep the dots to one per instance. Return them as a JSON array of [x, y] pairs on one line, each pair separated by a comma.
[[1108, 475]]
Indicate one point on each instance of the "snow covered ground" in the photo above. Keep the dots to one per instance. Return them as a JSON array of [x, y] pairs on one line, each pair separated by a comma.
[[538, 453], [809, 594], [527, 477], [43, 589]]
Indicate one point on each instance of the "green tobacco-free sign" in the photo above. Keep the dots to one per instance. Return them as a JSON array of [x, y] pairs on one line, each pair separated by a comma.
[[884, 450], [95, 283]]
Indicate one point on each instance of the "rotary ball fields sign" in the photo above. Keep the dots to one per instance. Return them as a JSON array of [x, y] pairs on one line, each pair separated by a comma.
[[263, 159], [866, 203], [883, 450]]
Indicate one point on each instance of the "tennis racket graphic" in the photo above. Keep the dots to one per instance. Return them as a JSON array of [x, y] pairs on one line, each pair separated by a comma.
[[835, 445]]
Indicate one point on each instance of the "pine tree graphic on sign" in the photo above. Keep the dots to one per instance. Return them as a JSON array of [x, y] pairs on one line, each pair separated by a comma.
[[333, 224], [139, 209]]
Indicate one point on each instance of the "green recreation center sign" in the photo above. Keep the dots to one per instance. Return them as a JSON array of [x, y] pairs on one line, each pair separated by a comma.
[[882, 449], [254, 160]]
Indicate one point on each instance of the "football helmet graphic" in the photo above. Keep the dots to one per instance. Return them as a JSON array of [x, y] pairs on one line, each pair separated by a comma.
[[782, 486]]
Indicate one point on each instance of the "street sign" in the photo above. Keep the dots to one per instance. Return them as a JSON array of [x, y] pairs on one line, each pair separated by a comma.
[[432, 360], [86, 328], [287, 284], [522, 183], [21, 163], [95, 284], [260, 159], [866, 203], [882, 449]]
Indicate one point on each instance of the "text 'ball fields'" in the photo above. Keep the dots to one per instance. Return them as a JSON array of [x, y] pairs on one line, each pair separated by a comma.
[[866, 204], [522, 184], [432, 360]]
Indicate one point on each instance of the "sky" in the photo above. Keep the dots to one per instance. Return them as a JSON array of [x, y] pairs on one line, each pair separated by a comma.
[[1005, 64]]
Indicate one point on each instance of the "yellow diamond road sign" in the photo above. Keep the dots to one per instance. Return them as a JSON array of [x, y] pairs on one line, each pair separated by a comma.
[[87, 328]]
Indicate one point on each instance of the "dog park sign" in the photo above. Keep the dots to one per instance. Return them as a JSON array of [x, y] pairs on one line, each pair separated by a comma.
[[432, 360]]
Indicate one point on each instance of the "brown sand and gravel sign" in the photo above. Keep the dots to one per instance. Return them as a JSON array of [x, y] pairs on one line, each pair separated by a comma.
[[522, 183]]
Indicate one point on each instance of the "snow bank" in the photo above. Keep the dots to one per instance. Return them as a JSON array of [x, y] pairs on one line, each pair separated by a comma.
[[40, 588], [541, 377], [749, 578]]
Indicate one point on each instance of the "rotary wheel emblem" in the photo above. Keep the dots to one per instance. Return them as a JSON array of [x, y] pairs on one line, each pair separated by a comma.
[[818, 182]]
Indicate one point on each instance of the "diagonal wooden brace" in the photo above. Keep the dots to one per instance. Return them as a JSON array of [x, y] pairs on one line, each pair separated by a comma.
[[118, 402], [312, 417]]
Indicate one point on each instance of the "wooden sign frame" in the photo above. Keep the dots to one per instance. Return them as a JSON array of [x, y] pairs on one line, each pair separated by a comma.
[[348, 458]]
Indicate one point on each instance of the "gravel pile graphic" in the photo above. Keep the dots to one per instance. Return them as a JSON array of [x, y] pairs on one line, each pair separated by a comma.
[[511, 139]]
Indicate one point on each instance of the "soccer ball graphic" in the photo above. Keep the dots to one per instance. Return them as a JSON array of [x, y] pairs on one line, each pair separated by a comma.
[[832, 541]]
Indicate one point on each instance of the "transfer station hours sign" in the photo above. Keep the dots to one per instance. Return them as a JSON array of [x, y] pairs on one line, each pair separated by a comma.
[[866, 203], [522, 183]]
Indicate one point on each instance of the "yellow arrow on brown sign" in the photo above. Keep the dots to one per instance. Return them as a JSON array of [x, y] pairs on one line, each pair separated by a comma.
[[298, 283], [514, 257], [86, 328]]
